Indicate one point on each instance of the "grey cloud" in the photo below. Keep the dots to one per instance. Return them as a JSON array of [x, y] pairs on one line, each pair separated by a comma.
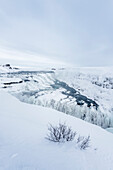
[[75, 31]]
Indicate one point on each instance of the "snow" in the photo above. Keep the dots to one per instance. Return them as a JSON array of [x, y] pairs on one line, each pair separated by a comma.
[[23, 128]]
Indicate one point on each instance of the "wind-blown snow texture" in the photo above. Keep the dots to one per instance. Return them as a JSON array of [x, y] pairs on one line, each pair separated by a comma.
[[23, 146], [85, 93]]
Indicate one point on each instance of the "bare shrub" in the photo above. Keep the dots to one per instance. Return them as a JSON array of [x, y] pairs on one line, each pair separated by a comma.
[[60, 133], [63, 133], [85, 143]]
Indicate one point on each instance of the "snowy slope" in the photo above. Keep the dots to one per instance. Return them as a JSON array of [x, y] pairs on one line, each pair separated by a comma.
[[23, 146]]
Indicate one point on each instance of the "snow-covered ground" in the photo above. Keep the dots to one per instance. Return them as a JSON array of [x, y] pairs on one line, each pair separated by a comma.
[[23, 128]]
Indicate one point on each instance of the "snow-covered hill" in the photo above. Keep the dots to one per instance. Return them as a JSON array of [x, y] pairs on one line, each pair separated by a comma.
[[85, 93], [23, 146]]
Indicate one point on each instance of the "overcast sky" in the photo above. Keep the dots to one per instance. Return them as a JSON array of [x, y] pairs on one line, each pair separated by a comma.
[[74, 31]]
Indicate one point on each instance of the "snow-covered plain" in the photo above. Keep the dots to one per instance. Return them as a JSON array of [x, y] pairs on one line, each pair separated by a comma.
[[23, 128]]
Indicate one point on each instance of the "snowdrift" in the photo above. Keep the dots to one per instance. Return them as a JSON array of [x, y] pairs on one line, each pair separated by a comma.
[[23, 128]]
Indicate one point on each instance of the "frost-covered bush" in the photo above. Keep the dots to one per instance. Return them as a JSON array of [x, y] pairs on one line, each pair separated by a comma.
[[60, 133]]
